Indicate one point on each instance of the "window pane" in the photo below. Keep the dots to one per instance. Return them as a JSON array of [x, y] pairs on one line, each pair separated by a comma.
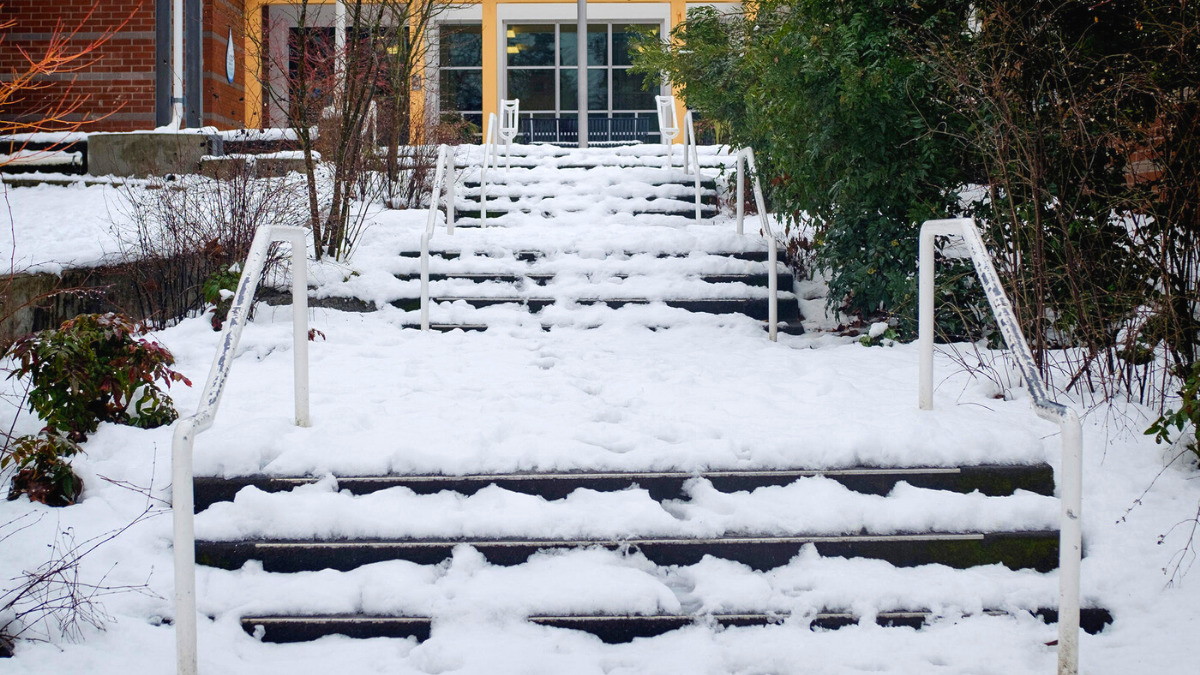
[[623, 37], [569, 89], [628, 93], [535, 88], [461, 89], [531, 45], [597, 44], [568, 92], [653, 117], [597, 89], [461, 46]]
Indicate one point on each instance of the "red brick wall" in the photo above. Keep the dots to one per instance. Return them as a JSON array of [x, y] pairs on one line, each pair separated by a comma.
[[117, 83], [224, 103]]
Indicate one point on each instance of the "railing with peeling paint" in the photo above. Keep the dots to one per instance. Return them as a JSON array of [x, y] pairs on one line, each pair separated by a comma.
[[186, 429], [1070, 548]]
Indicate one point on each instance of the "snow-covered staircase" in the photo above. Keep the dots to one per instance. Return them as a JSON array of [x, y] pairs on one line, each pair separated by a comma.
[[667, 524], [623, 233]]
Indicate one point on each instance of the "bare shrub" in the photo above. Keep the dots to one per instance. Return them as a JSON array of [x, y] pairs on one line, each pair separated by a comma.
[[55, 598], [176, 234]]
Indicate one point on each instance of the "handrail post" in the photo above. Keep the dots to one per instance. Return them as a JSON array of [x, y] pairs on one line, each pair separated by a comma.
[[1070, 544], [450, 178], [772, 255], [741, 190], [300, 323], [690, 144], [773, 290], [425, 281], [488, 144], [925, 318], [439, 175], [184, 519]]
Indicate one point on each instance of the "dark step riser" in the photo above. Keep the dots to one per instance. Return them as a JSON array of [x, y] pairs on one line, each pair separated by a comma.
[[992, 481], [794, 329], [1038, 551], [610, 629], [782, 279], [705, 212], [506, 203], [531, 256], [706, 184], [755, 309]]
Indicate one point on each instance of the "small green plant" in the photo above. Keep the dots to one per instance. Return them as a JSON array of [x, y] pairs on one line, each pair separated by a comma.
[[880, 335], [1188, 413], [218, 291], [43, 469], [95, 368]]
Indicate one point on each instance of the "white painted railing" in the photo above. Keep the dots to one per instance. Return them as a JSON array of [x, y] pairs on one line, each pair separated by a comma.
[[497, 131], [668, 129], [445, 166], [1071, 473], [691, 152], [510, 114], [186, 429], [745, 156], [489, 142]]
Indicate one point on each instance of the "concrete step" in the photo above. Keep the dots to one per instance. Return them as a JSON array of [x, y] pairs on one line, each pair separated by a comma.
[[783, 279], [532, 255], [783, 328], [991, 480], [610, 628], [499, 210], [755, 308], [959, 550], [498, 183]]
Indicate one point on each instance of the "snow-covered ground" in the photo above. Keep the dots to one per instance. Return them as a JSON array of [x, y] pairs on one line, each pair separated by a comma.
[[710, 392]]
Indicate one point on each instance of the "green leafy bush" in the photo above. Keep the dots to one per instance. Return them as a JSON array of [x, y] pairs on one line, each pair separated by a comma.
[[838, 110], [218, 291], [1188, 413], [43, 469], [95, 368]]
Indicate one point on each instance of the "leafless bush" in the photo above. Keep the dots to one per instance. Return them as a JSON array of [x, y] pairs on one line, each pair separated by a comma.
[[176, 234], [54, 598]]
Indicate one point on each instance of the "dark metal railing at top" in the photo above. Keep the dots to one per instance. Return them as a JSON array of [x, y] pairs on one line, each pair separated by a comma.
[[601, 130]]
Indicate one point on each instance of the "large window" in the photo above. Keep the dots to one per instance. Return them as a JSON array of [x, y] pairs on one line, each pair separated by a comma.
[[460, 76], [543, 70]]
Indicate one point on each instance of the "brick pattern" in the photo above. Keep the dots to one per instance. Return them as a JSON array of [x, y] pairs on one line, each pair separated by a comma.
[[224, 103], [117, 84]]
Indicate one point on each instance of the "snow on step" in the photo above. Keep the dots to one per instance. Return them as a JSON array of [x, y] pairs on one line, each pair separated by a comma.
[[572, 582], [318, 511], [708, 395]]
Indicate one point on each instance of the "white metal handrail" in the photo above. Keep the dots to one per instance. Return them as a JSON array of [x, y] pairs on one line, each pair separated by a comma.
[[1070, 547], [668, 129], [691, 151], [489, 141], [745, 156], [510, 114], [186, 429], [445, 166]]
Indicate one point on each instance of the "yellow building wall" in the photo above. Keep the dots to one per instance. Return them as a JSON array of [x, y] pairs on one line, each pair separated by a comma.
[[491, 67]]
